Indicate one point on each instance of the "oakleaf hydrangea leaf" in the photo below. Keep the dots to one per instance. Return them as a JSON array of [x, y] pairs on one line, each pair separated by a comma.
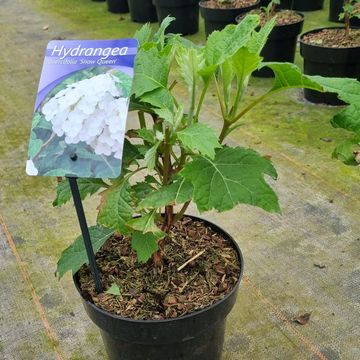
[[178, 192], [199, 137], [86, 187], [235, 176], [75, 255], [115, 209], [144, 223], [146, 245], [113, 290]]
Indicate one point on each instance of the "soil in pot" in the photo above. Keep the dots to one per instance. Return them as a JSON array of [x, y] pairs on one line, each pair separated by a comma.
[[302, 5], [217, 16], [188, 301], [118, 6], [142, 11], [157, 293], [330, 52], [185, 12], [281, 44]]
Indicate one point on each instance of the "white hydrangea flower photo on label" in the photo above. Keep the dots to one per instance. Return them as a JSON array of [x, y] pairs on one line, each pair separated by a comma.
[[79, 128]]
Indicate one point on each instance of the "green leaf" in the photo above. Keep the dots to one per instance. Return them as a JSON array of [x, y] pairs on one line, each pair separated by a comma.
[[144, 223], [189, 61], [113, 290], [86, 187], [224, 44], [151, 71], [289, 76], [75, 255], [130, 154], [147, 135], [143, 35], [244, 63], [347, 89], [201, 138], [259, 38], [151, 155], [142, 190], [115, 209], [178, 192], [146, 245], [348, 118], [345, 152], [235, 176], [160, 98], [159, 36]]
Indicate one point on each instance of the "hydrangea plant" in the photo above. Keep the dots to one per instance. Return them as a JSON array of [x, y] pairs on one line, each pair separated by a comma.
[[173, 157]]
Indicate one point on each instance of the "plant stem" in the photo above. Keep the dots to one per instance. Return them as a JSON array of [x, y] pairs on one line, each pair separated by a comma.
[[201, 100], [224, 132], [142, 122], [181, 213]]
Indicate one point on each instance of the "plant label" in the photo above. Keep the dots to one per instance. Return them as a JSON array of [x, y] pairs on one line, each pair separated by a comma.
[[78, 126]]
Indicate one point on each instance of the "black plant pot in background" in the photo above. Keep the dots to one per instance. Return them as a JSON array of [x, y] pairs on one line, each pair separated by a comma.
[[335, 10], [264, 2], [302, 5], [280, 46], [336, 7], [197, 336], [118, 6], [142, 11], [329, 62], [185, 12], [217, 19]]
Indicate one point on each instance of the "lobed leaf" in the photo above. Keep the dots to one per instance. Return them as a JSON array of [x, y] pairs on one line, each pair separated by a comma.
[[146, 245], [75, 255], [115, 209], [235, 176], [86, 187]]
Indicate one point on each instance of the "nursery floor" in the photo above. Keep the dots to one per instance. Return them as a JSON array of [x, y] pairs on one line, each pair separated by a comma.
[[303, 261]]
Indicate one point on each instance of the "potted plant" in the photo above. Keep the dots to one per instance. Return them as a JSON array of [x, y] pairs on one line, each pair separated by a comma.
[[170, 280], [303, 5], [336, 7], [142, 11], [185, 12], [282, 41], [118, 6], [332, 52], [219, 13]]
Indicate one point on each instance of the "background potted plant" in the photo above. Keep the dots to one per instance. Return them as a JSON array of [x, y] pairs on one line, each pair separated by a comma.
[[118, 6], [332, 52], [336, 8], [170, 280], [185, 12], [282, 41], [142, 11], [219, 13], [302, 5]]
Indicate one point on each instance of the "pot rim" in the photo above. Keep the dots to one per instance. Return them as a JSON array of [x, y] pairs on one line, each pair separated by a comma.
[[195, 313], [201, 4], [280, 25], [302, 42]]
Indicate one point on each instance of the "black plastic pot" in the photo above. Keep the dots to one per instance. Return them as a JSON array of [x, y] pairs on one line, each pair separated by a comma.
[[118, 6], [302, 5], [197, 336], [280, 46], [264, 2], [142, 11], [329, 62], [336, 9], [217, 19], [185, 12]]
